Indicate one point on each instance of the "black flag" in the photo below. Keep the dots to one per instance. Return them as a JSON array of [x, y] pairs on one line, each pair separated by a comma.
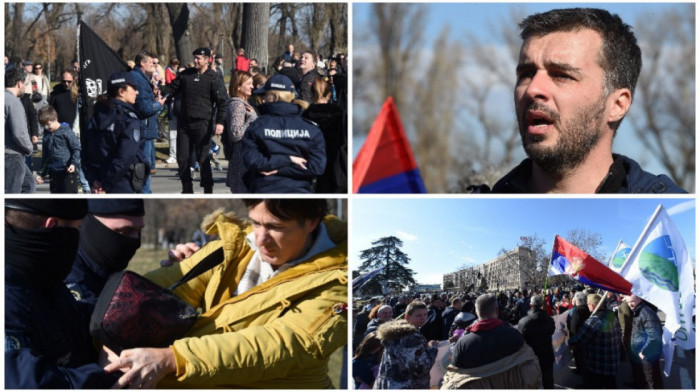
[[97, 63]]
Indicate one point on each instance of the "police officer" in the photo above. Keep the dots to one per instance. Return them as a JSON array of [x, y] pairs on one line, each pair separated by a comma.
[[201, 90], [47, 344], [282, 151], [109, 237], [113, 160]]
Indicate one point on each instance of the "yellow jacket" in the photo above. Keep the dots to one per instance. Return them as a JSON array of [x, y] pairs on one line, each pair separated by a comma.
[[277, 335]]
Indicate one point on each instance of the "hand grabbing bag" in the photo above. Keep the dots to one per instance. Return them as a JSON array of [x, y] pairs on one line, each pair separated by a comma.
[[134, 312]]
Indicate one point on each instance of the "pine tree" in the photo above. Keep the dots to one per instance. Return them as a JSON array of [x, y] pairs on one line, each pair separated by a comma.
[[386, 253]]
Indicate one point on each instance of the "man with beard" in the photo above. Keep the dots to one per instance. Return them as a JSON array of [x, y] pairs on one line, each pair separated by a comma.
[[576, 76], [109, 237], [47, 343]]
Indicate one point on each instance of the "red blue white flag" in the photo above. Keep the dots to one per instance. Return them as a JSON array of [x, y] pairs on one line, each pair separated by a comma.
[[579, 265]]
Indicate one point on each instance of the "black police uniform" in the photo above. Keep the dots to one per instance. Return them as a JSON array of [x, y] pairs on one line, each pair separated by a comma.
[[112, 151], [199, 95], [86, 279], [270, 140]]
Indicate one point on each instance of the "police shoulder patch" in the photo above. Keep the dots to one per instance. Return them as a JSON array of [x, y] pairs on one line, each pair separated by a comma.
[[132, 114], [137, 134], [15, 340]]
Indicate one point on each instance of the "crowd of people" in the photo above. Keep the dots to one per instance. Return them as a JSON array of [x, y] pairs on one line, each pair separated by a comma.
[[272, 311], [282, 132], [504, 340]]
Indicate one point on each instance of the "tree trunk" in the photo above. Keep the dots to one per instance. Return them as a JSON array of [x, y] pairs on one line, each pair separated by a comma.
[[236, 15], [319, 20], [180, 21], [256, 19], [16, 26]]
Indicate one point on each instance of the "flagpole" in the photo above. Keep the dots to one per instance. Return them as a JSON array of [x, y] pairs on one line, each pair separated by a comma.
[[612, 257], [80, 79], [635, 248]]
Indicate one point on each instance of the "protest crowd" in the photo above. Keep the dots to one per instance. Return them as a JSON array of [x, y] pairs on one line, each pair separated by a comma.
[[282, 130], [504, 339]]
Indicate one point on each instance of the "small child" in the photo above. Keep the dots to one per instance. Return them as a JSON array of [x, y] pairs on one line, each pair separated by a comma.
[[60, 153]]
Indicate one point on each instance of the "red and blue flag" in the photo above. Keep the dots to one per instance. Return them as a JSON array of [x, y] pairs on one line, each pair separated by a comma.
[[579, 265], [385, 163]]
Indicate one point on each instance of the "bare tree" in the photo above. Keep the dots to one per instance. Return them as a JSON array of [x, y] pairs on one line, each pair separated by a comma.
[[256, 19], [434, 124], [338, 27], [182, 30], [663, 114], [385, 69]]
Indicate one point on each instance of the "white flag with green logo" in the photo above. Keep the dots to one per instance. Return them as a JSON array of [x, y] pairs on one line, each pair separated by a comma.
[[661, 272], [617, 261]]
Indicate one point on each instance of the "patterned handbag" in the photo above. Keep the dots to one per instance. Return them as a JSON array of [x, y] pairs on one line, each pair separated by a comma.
[[134, 312]]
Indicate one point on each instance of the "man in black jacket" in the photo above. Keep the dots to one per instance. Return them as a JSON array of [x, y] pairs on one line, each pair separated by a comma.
[[579, 314], [201, 92], [61, 99], [537, 328]]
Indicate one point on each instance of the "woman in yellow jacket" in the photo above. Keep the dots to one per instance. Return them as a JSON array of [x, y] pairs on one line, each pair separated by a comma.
[[273, 312]]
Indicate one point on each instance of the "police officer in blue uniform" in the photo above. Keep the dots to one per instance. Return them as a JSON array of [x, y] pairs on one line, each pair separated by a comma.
[[282, 151], [47, 343], [113, 160], [109, 237]]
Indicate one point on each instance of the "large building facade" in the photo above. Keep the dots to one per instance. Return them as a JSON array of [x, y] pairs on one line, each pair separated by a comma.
[[505, 272]]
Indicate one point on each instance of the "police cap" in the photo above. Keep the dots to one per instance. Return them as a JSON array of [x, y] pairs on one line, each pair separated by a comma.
[[121, 79], [277, 82], [131, 207], [202, 52], [71, 209]]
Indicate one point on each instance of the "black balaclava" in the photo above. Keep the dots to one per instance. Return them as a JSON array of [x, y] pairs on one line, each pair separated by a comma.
[[42, 256], [110, 250]]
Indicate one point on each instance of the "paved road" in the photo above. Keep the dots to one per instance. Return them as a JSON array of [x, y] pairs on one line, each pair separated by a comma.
[[165, 181], [682, 374]]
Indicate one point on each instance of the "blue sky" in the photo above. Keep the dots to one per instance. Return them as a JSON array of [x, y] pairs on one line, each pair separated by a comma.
[[441, 235], [476, 17], [479, 18]]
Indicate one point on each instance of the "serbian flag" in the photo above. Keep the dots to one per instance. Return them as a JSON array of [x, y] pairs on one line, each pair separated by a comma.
[[579, 265], [385, 163]]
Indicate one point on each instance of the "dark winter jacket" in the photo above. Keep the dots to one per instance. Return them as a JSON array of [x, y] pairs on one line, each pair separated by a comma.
[[60, 149], [333, 121], [407, 360], [146, 107], [577, 317], [47, 343], [537, 329], [625, 176], [646, 334], [62, 102], [199, 96], [86, 279], [432, 329], [269, 142], [305, 85], [476, 349], [448, 316], [112, 146]]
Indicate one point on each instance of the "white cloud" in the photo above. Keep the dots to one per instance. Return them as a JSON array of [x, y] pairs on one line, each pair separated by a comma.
[[406, 236], [680, 208]]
